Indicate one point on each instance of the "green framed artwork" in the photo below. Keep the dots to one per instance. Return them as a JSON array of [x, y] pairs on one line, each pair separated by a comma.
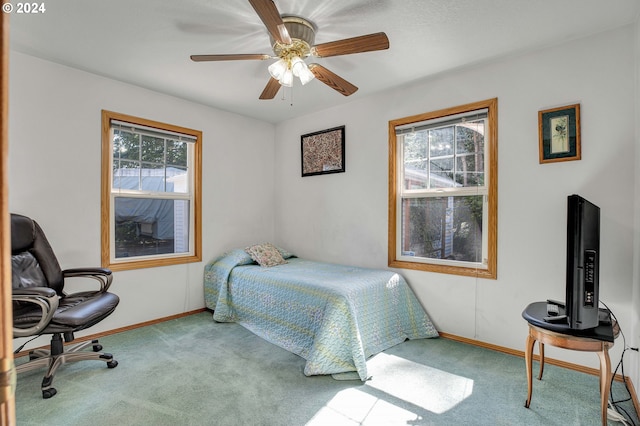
[[559, 134]]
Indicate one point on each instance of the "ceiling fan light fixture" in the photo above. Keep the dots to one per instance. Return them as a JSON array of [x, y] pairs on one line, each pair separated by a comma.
[[300, 70], [296, 65], [293, 41], [278, 69], [287, 78], [304, 74]]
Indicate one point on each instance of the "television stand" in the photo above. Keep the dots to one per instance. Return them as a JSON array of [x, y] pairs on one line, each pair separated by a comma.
[[599, 339]]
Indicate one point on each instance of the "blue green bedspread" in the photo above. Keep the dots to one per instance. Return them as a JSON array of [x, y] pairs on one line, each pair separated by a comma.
[[333, 316]]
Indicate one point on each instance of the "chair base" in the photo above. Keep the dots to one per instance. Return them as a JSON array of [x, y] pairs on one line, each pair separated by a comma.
[[58, 355]]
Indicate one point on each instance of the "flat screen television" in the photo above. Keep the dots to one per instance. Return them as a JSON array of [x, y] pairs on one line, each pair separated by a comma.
[[583, 263]]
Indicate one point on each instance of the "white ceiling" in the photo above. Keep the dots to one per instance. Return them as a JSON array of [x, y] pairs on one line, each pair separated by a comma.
[[148, 42]]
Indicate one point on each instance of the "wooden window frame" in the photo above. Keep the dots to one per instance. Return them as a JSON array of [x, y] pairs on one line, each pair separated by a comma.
[[490, 272], [136, 263]]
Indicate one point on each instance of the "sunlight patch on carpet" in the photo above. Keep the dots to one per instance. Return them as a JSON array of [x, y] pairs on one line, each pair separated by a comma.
[[399, 390], [434, 390], [357, 407], [350, 406]]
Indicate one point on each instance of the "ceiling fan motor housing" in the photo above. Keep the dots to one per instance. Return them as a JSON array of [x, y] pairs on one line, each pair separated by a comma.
[[302, 33]]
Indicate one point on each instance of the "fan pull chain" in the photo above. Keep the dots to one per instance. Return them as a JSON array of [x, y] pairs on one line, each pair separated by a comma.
[[284, 97]]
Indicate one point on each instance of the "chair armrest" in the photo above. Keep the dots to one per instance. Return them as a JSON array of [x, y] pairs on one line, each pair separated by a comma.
[[34, 291], [44, 297], [102, 275]]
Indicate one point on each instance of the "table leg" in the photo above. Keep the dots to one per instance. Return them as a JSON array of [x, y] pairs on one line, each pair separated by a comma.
[[541, 349], [528, 359], [605, 381]]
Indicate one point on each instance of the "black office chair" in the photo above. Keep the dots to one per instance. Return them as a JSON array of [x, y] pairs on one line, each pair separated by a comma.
[[40, 305]]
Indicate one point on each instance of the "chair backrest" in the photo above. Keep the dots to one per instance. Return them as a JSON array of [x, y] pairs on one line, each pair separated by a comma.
[[32, 259]]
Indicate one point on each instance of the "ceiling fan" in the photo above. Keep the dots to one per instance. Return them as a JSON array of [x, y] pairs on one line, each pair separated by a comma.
[[292, 40]]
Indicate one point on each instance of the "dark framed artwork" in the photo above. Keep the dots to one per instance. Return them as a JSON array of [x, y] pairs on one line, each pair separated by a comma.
[[323, 152], [559, 134]]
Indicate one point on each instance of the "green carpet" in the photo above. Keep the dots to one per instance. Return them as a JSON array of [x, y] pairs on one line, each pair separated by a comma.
[[193, 371]]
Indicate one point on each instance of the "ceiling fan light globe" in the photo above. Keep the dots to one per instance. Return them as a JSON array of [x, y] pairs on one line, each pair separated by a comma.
[[296, 65], [305, 75], [278, 69], [287, 79]]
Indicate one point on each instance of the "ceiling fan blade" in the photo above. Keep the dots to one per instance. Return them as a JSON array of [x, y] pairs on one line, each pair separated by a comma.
[[232, 57], [332, 80], [271, 89], [365, 43], [268, 13]]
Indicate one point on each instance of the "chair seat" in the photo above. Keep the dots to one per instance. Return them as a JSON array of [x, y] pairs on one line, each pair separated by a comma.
[[75, 312]]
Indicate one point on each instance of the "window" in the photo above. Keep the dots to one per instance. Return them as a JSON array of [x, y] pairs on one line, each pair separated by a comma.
[[443, 191], [151, 193]]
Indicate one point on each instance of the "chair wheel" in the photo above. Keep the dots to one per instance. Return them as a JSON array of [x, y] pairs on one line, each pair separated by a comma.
[[48, 393], [97, 348], [112, 364]]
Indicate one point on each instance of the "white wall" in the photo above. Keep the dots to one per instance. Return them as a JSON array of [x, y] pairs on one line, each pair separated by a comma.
[[343, 217], [54, 162]]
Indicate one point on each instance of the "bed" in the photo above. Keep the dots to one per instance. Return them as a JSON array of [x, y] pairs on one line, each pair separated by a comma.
[[333, 316]]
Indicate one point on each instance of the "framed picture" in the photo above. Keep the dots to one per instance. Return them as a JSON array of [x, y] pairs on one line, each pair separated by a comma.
[[323, 152], [559, 134]]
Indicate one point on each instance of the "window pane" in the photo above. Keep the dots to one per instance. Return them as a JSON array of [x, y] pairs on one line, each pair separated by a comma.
[[469, 170], [441, 141], [177, 153], [416, 175], [441, 175], [153, 177], [177, 179], [443, 228], [470, 150], [152, 149], [146, 227], [470, 137], [416, 160], [126, 175], [126, 145]]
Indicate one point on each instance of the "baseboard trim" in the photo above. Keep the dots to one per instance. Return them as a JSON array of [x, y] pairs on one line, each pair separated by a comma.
[[547, 360], [119, 330]]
